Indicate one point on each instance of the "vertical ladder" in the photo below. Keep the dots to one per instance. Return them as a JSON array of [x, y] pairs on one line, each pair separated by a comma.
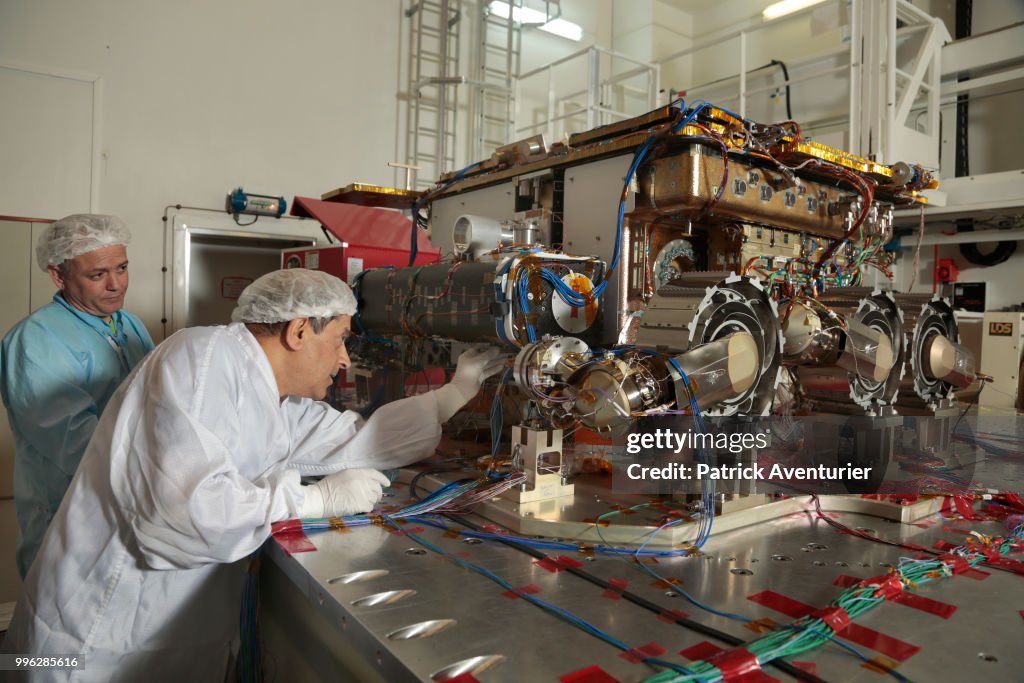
[[497, 62], [432, 116]]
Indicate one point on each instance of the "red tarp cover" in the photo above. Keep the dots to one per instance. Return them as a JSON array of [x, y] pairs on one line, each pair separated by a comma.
[[361, 225]]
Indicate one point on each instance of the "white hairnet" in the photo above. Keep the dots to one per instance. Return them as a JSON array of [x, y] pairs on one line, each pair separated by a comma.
[[79, 234], [292, 293]]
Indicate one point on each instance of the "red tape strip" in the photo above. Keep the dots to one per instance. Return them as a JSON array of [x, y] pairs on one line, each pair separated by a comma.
[[925, 604], [558, 564], [781, 603], [739, 665], [528, 589], [566, 562], [836, 618], [976, 574], [888, 585], [701, 651], [291, 538], [639, 654], [958, 564], [845, 581], [914, 600], [965, 506], [591, 674], [670, 616], [880, 642], [615, 589], [1004, 563], [462, 678]]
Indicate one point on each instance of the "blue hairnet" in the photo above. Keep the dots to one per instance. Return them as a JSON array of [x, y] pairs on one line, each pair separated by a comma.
[[79, 234], [292, 293]]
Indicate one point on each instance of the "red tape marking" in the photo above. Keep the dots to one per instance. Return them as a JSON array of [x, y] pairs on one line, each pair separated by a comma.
[[291, 538], [639, 654], [880, 642], [701, 651], [591, 674], [558, 564], [887, 586], [1012, 565], [836, 618], [462, 678], [548, 564], [965, 506], [739, 665], [781, 603], [528, 589], [977, 574], [913, 600], [926, 604], [567, 562], [288, 526], [615, 589], [670, 616], [958, 564]]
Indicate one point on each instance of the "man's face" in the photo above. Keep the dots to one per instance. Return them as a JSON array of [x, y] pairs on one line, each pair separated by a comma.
[[95, 282], [324, 355]]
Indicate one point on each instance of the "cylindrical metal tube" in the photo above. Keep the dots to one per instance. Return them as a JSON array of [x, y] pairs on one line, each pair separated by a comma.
[[478, 234], [506, 301], [821, 341], [867, 352], [445, 300], [932, 319], [948, 361], [718, 371], [810, 339]]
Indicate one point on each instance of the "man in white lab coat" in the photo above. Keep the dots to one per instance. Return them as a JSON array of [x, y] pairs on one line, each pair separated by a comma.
[[197, 454]]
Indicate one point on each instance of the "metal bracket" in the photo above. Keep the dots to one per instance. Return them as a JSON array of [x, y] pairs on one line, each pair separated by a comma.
[[540, 453]]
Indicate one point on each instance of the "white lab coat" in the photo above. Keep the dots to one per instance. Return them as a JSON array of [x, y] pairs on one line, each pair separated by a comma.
[[193, 460]]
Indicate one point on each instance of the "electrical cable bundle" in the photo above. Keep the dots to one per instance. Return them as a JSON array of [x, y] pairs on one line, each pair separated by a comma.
[[822, 626]]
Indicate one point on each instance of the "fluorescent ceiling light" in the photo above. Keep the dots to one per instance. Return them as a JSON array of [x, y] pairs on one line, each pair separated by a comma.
[[528, 16], [781, 9], [566, 29]]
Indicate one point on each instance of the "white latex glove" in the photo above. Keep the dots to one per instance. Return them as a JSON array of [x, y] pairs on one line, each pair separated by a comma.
[[348, 492], [473, 367]]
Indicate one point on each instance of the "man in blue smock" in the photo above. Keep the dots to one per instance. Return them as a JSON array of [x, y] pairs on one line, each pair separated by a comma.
[[60, 365]]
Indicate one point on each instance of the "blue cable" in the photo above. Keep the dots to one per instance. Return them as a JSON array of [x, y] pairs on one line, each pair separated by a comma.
[[414, 236], [543, 604]]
